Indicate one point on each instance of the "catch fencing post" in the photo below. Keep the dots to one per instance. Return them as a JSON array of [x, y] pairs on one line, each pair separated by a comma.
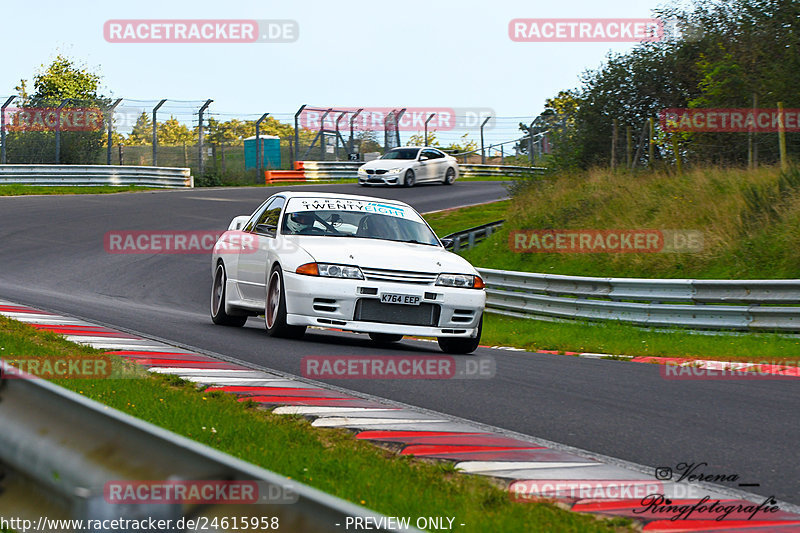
[[200, 164], [110, 115], [58, 129], [296, 149], [426, 127], [155, 132], [483, 153], [258, 143], [3, 126], [397, 125], [782, 138], [351, 128]]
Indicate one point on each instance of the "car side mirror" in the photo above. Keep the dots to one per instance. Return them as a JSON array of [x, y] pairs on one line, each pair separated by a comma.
[[238, 222], [448, 243], [423, 158]]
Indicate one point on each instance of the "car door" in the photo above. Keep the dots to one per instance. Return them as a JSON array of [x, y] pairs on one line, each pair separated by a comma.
[[437, 165], [252, 262], [425, 165]]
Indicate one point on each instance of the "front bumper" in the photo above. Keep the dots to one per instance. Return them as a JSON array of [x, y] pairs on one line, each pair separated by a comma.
[[395, 178], [331, 303]]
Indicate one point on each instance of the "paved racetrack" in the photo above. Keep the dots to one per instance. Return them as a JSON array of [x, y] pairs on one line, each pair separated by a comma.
[[52, 256]]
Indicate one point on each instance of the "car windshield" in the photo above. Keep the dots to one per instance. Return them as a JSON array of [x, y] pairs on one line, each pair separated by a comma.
[[362, 219], [401, 153]]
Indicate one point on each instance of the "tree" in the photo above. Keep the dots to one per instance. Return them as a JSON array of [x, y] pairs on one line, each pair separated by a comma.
[[418, 139], [173, 132], [142, 132], [62, 79]]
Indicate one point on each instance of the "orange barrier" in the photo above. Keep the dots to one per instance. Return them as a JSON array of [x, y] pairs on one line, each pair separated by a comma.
[[277, 176]]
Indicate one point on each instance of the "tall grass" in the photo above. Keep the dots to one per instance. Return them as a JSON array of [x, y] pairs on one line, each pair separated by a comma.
[[749, 220]]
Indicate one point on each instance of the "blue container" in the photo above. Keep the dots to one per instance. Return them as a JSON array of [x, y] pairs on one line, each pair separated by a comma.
[[270, 152]]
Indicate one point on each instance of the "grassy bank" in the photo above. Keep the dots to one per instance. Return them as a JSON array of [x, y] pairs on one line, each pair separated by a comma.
[[23, 190], [749, 221], [452, 220], [329, 459]]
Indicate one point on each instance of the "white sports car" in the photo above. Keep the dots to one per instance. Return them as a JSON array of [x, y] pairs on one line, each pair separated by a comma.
[[350, 262], [408, 166]]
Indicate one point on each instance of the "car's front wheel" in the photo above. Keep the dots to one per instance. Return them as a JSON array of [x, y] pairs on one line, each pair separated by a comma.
[[218, 314], [409, 180], [461, 345], [450, 176], [275, 308]]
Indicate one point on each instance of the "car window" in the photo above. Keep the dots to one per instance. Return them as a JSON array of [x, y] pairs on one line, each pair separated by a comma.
[[430, 154], [401, 153], [267, 223], [257, 215], [436, 154]]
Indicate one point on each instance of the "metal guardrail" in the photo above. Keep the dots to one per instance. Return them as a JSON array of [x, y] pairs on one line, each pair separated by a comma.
[[472, 236], [327, 170], [93, 175], [59, 449], [742, 305]]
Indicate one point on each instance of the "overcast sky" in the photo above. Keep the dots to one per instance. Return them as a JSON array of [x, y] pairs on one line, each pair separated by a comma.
[[416, 53]]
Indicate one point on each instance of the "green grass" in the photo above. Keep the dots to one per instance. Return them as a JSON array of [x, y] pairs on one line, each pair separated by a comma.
[[452, 220], [329, 459], [620, 339], [749, 221], [20, 190]]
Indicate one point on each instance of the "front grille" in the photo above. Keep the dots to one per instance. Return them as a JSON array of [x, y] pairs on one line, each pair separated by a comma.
[[400, 276], [370, 171], [381, 171], [372, 310]]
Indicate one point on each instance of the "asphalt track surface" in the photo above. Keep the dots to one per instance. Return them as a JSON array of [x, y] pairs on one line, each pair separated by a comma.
[[52, 256]]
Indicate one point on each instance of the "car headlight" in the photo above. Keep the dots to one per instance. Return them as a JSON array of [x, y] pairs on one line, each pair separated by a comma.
[[397, 170], [362, 171], [330, 271], [465, 281]]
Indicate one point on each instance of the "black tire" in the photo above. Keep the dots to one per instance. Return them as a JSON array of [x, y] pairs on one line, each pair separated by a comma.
[[449, 176], [409, 180], [275, 308], [461, 345], [385, 338], [218, 314]]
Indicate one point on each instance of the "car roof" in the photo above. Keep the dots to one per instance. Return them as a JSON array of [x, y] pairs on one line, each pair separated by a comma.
[[303, 194]]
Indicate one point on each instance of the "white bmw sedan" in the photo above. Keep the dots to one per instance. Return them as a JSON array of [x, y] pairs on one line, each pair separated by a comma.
[[408, 166], [349, 262]]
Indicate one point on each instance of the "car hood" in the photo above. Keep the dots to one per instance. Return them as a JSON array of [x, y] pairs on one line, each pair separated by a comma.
[[374, 253], [388, 163]]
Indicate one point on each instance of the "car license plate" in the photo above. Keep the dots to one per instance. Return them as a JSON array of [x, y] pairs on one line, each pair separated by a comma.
[[404, 299]]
